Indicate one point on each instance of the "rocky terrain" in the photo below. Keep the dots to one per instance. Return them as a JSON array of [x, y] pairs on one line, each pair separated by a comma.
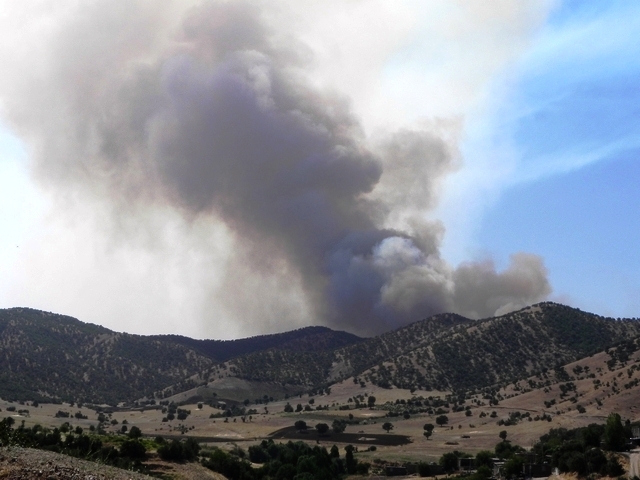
[[30, 464]]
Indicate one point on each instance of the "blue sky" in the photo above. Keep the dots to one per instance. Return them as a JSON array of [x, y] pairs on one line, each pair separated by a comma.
[[541, 99], [571, 121]]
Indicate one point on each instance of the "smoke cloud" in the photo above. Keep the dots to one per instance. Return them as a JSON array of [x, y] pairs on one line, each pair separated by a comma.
[[210, 112]]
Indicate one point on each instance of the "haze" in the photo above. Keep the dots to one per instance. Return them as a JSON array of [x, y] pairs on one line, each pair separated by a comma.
[[223, 169]]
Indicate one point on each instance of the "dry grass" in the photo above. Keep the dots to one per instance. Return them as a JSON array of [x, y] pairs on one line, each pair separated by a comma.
[[482, 433]]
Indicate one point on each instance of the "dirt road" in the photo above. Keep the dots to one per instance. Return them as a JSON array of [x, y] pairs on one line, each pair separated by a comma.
[[634, 464]]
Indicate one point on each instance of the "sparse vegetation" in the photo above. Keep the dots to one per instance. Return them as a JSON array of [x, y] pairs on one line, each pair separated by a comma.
[[384, 389]]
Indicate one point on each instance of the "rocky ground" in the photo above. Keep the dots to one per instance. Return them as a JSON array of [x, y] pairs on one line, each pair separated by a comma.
[[30, 464]]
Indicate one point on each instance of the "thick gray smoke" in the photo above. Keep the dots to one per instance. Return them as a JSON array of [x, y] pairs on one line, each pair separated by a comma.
[[222, 122]]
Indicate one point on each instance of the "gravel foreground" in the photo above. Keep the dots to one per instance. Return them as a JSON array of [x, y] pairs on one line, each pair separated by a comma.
[[30, 464]]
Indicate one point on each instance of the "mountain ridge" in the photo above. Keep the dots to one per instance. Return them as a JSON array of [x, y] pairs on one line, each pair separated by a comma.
[[49, 356], [316, 338], [448, 351]]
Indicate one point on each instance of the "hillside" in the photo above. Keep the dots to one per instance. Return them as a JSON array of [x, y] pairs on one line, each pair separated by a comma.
[[591, 387], [447, 352], [503, 349], [308, 339], [317, 369], [47, 356], [553, 393]]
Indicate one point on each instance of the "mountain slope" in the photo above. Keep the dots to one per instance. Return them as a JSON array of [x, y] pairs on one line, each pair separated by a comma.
[[591, 387], [308, 339], [502, 349], [447, 352], [44, 355], [314, 369]]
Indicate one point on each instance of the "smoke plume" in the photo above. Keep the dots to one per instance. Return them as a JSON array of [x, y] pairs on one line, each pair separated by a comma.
[[220, 120]]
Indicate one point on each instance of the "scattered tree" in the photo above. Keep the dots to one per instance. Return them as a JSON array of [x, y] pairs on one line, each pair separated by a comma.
[[338, 426], [442, 420], [322, 428]]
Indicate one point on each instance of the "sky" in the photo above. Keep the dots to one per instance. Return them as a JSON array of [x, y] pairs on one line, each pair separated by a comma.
[[226, 168]]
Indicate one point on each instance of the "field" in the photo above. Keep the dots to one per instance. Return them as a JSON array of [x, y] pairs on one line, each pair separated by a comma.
[[466, 433], [471, 430]]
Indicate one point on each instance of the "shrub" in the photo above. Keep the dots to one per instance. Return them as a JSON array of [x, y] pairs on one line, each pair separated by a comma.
[[177, 451], [133, 449]]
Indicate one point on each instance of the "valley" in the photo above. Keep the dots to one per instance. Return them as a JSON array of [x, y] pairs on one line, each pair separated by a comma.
[[545, 367]]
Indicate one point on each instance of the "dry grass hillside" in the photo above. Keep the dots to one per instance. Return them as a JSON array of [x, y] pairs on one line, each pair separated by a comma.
[[444, 352]]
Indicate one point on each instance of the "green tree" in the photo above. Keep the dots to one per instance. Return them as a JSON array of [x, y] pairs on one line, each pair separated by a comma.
[[483, 458], [591, 435], [388, 426], [503, 435], [351, 462], [483, 473], [300, 425], [428, 430], [506, 449], [424, 470], [322, 428], [614, 436], [285, 472], [449, 462], [614, 469], [338, 426], [371, 401], [179, 451], [334, 452], [442, 420], [133, 449], [288, 408], [135, 432], [513, 467]]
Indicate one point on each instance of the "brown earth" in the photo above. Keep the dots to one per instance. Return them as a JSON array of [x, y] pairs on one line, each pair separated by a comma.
[[598, 389], [18, 463], [30, 464]]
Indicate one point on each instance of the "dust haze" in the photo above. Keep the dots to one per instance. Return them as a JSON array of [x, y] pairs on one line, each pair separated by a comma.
[[210, 112]]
